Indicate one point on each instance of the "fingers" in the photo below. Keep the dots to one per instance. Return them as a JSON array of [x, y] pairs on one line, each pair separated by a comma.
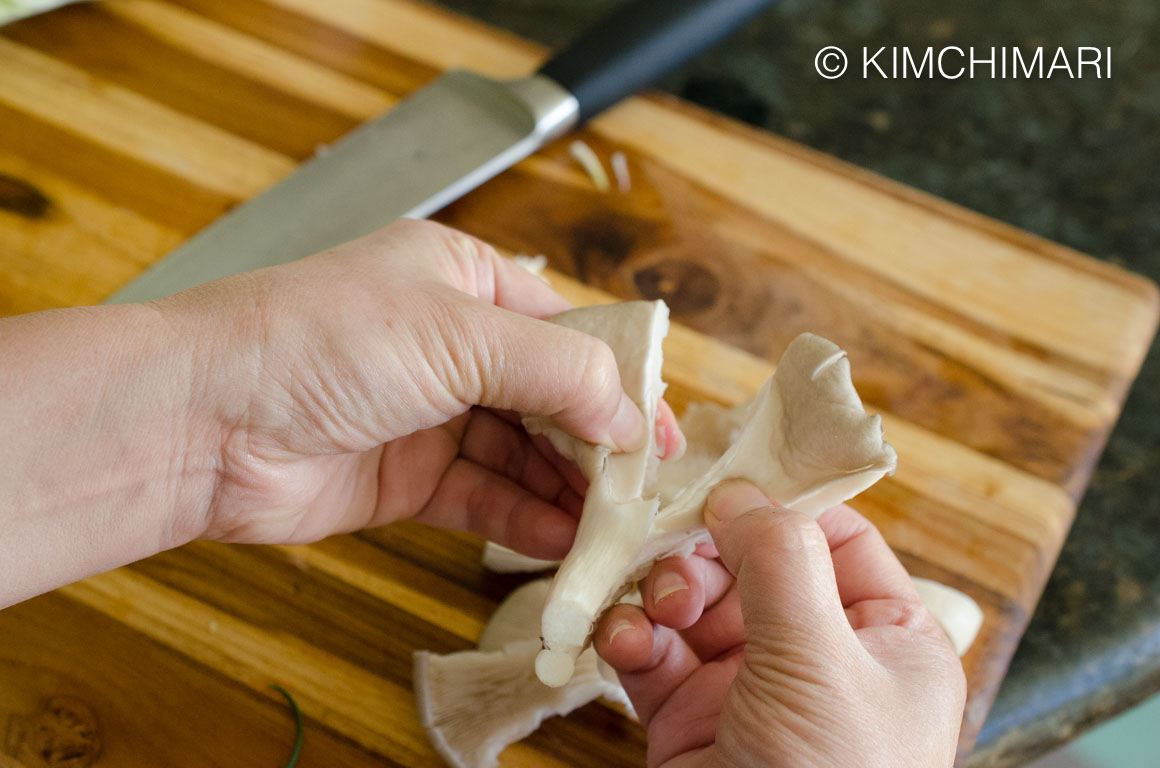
[[474, 267], [484, 346], [499, 359], [624, 637], [889, 612], [720, 630], [475, 499], [678, 589], [505, 449], [670, 441], [512, 362], [785, 577], [651, 662], [865, 567]]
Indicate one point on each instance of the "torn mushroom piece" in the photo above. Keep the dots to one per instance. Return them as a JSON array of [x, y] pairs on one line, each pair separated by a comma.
[[960, 617], [475, 703], [499, 559], [622, 493], [806, 442]]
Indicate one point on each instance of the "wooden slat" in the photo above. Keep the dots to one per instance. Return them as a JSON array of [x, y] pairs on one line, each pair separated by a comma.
[[199, 86], [122, 180], [128, 684], [46, 220], [254, 58], [343, 52], [123, 121], [425, 33]]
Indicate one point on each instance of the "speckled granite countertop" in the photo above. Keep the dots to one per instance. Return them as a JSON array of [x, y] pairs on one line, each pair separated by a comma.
[[1076, 161]]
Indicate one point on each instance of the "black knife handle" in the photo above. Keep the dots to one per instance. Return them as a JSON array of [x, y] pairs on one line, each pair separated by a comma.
[[638, 43]]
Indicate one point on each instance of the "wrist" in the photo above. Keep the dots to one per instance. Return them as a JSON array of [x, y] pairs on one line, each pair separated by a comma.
[[105, 459], [217, 344], [177, 410]]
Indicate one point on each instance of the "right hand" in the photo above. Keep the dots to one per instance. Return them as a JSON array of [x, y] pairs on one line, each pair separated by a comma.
[[805, 644]]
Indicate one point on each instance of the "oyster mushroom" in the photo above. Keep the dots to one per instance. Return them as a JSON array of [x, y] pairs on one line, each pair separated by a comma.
[[475, 703], [806, 442]]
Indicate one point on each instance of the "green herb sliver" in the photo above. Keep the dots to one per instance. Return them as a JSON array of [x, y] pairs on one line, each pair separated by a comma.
[[300, 732]]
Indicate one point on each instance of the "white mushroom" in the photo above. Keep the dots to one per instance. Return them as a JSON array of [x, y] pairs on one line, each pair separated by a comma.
[[958, 615], [475, 703], [806, 442]]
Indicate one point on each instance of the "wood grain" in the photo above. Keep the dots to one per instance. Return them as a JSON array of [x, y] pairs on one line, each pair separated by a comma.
[[998, 362]]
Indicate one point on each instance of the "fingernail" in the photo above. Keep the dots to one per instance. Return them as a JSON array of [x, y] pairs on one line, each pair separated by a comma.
[[682, 446], [734, 498], [618, 626], [667, 584], [662, 438], [627, 428]]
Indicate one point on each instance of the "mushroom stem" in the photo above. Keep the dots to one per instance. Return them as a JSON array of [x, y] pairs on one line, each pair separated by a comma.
[[622, 493], [960, 617]]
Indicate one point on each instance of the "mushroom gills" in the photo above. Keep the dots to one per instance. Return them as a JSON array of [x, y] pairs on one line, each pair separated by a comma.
[[475, 703]]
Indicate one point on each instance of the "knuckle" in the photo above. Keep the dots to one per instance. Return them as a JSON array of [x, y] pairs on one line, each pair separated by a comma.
[[597, 380], [417, 227], [793, 530]]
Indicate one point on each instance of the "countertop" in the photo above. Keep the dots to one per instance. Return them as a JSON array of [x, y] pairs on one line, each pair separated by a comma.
[[1075, 161]]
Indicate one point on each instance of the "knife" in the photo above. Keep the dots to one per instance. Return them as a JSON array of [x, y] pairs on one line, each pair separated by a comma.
[[443, 141]]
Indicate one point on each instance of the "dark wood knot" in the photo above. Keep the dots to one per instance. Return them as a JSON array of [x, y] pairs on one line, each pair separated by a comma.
[[19, 197], [687, 287], [63, 734]]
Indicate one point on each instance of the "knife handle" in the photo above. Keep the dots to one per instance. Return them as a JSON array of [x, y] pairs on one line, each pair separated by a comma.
[[640, 42]]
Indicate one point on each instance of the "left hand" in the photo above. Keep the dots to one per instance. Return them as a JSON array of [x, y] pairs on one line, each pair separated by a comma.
[[374, 382], [351, 393]]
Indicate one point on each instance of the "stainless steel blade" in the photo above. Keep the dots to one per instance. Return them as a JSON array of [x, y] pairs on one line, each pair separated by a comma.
[[432, 148]]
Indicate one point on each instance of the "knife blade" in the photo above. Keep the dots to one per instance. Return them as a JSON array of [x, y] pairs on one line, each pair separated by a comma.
[[441, 142]]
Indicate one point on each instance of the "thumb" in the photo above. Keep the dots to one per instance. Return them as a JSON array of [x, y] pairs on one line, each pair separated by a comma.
[[785, 576], [526, 365]]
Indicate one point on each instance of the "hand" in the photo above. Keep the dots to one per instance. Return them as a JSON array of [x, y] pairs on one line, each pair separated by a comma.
[[818, 653], [377, 381], [344, 385]]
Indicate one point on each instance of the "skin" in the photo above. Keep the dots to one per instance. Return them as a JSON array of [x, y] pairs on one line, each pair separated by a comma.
[[795, 643], [375, 382]]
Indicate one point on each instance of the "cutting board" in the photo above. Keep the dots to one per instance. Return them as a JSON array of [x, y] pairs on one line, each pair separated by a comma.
[[997, 360]]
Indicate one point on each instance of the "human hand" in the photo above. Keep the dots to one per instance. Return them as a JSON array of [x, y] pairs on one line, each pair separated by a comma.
[[342, 387], [818, 653]]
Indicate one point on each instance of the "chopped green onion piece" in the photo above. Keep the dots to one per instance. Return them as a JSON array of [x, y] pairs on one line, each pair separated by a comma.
[[300, 732]]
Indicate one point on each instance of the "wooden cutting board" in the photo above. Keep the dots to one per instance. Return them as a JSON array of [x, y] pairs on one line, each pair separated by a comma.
[[998, 360]]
